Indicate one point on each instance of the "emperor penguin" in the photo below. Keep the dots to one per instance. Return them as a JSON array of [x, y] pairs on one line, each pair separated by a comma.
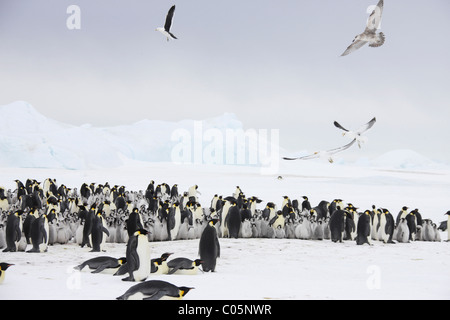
[[159, 265], [269, 211], [375, 223], [3, 267], [192, 192], [184, 266], [138, 256], [32, 215], [278, 221], [13, 231], [223, 224], [386, 229], [106, 265], [174, 221], [209, 247], [337, 225], [40, 234], [363, 228], [134, 222], [402, 231], [4, 204], [411, 222], [402, 214], [233, 220], [155, 290], [98, 228]]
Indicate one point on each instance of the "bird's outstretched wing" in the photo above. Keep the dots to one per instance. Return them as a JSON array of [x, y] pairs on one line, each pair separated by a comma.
[[169, 18], [353, 47], [337, 125], [328, 152], [339, 149], [374, 21], [367, 126]]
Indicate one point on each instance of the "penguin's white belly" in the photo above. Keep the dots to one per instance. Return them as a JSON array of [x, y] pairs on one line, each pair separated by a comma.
[[192, 271], [143, 251]]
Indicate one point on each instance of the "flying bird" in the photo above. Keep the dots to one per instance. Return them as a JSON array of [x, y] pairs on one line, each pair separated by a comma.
[[356, 135], [166, 29], [370, 34], [324, 154]]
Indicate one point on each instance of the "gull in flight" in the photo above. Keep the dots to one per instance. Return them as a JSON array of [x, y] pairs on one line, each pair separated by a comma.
[[356, 135], [370, 34], [166, 30], [324, 154]]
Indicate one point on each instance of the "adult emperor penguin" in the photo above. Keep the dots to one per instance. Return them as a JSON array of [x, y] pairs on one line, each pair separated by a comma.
[[402, 214], [3, 267], [364, 228], [386, 229], [337, 225], [159, 265], [184, 266], [102, 264], [174, 221], [233, 220], [155, 290], [209, 247], [40, 234], [13, 231], [32, 215], [138, 256], [98, 228], [134, 222]]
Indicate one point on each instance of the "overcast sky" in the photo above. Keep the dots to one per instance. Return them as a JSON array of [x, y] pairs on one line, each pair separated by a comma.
[[275, 64]]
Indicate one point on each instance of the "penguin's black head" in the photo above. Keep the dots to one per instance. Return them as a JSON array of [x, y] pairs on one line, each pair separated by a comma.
[[198, 262], [141, 231], [184, 290], [166, 255], [213, 221], [405, 208], [122, 260], [4, 266], [447, 213]]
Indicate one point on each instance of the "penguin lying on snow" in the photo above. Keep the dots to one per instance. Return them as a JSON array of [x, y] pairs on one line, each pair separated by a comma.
[[159, 265], [100, 264], [155, 290], [184, 266]]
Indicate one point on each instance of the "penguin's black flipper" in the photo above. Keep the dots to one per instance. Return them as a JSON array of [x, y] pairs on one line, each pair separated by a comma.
[[174, 269], [272, 221], [122, 270], [99, 269], [105, 231], [158, 295]]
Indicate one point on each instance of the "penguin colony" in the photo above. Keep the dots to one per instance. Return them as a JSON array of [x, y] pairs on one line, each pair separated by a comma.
[[98, 213], [41, 214]]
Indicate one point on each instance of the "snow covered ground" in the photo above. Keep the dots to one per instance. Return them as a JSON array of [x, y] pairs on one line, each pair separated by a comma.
[[260, 268]]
